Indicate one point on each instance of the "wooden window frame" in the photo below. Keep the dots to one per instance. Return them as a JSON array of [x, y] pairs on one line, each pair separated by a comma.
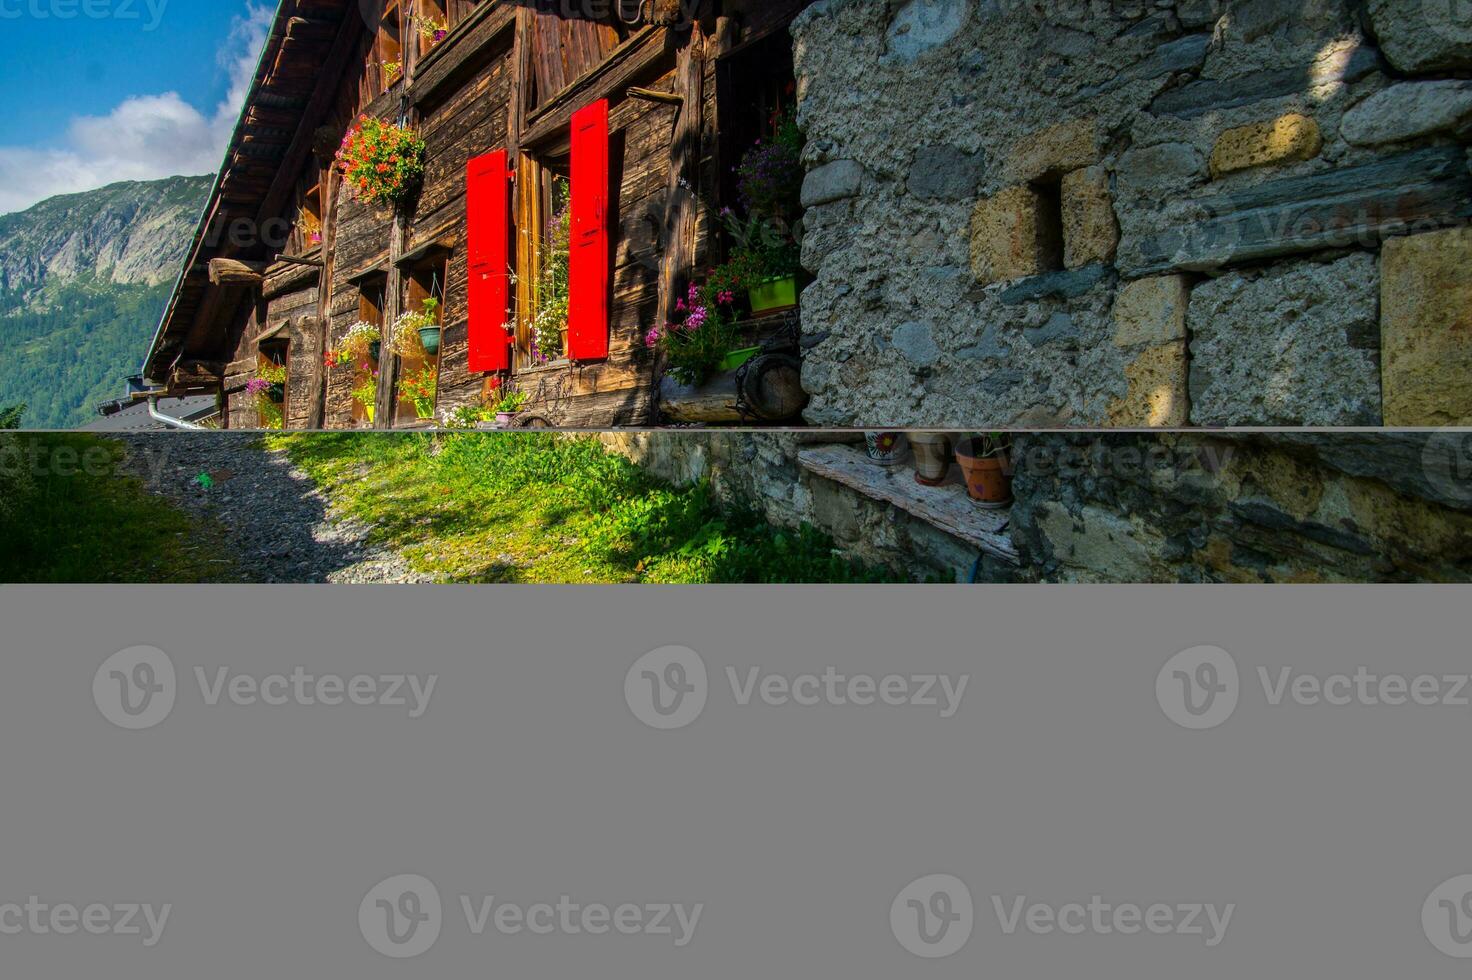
[[420, 280], [530, 221], [265, 352], [389, 46], [369, 311]]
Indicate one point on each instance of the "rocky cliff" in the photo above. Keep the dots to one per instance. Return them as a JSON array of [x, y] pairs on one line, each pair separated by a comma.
[[83, 279], [133, 233]]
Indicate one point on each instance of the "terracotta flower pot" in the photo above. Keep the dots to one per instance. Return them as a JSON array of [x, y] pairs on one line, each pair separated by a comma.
[[887, 448], [988, 479], [932, 457]]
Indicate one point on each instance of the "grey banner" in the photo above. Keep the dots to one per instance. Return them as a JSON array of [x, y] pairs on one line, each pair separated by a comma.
[[861, 782]]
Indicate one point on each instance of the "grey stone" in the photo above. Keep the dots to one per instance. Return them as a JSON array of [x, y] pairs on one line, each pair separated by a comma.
[[945, 173], [1347, 207], [916, 342], [1146, 164], [1200, 97], [922, 25], [1064, 284], [1198, 13], [832, 182], [1060, 329], [1421, 35], [988, 347], [1265, 515], [1277, 347], [1408, 110], [1000, 382]]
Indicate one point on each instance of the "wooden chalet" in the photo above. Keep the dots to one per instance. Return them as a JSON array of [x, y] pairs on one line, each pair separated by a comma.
[[636, 111]]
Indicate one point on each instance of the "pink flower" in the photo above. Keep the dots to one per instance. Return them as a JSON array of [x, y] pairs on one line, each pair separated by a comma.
[[651, 339]]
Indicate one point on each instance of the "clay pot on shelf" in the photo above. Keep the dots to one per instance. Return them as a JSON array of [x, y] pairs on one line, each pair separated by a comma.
[[932, 457], [987, 471], [887, 448]]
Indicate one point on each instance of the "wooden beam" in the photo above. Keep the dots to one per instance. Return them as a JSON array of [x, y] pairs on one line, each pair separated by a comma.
[[680, 205], [237, 273], [631, 61], [655, 95]]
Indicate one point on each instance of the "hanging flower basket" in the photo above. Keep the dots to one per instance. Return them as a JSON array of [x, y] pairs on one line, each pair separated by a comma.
[[381, 163]]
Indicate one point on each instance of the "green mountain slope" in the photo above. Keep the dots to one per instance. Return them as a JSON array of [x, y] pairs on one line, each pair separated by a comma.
[[83, 280]]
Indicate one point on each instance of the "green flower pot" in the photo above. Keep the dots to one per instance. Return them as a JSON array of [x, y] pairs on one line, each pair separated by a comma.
[[773, 295], [375, 349], [736, 358], [276, 393], [430, 338]]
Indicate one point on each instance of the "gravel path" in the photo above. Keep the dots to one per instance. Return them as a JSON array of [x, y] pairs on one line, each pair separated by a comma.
[[279, 527]]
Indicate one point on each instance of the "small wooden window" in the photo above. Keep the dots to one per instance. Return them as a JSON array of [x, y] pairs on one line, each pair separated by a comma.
[[432, 16], [391, 44], [275, 353], [370, 310], [309, 220], [543, 226], [425, 280]]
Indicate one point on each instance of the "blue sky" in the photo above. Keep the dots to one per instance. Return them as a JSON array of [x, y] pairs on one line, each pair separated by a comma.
[[142, 89]]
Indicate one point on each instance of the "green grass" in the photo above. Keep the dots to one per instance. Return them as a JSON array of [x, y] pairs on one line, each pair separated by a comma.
[[525, 507], [66, 516]]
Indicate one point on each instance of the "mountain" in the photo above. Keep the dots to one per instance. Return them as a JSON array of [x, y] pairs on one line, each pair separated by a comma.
[[83, 281]]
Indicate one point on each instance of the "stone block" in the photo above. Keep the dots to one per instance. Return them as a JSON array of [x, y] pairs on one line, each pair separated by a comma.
[[1063, 284], [1423, 35], [1426, 329], [1090, 231], [1011, 236], [1151, 311], [945, 173], [1055, 151], [1409, 110], [1281, 349], [1158, 395], [835, 181], [1346, 207], [916, 343], [1287, 139], [1059, 328]]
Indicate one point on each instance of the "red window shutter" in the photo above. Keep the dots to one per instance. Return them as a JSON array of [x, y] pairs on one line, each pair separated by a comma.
[[488, 238], [590, 258]]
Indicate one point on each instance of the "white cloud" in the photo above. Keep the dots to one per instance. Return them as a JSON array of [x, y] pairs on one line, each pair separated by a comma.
[[146, 137]]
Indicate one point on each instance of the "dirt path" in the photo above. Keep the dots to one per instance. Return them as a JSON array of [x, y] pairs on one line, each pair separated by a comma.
[[278, 526]]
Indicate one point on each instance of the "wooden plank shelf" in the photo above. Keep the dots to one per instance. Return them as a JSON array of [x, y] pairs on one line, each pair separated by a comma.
[[946, 507]]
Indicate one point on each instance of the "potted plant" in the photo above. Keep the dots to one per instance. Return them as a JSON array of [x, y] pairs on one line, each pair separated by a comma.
[[274, 378], [886, 448], [696, 345], [366, 394], [363, 341], [433, 31], [987, 467], [418, 334], [508, 408], [381, 163], [420, 388], [932, 457], [765, 263]]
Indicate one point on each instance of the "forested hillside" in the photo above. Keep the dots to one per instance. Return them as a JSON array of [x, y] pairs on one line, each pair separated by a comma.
[[83, 280]]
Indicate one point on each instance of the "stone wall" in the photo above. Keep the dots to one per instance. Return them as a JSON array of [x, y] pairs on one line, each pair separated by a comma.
[[1106, 212], [1137, 508]]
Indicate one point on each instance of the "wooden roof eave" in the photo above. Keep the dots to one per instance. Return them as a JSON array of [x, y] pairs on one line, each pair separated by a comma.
[[279, 99]]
